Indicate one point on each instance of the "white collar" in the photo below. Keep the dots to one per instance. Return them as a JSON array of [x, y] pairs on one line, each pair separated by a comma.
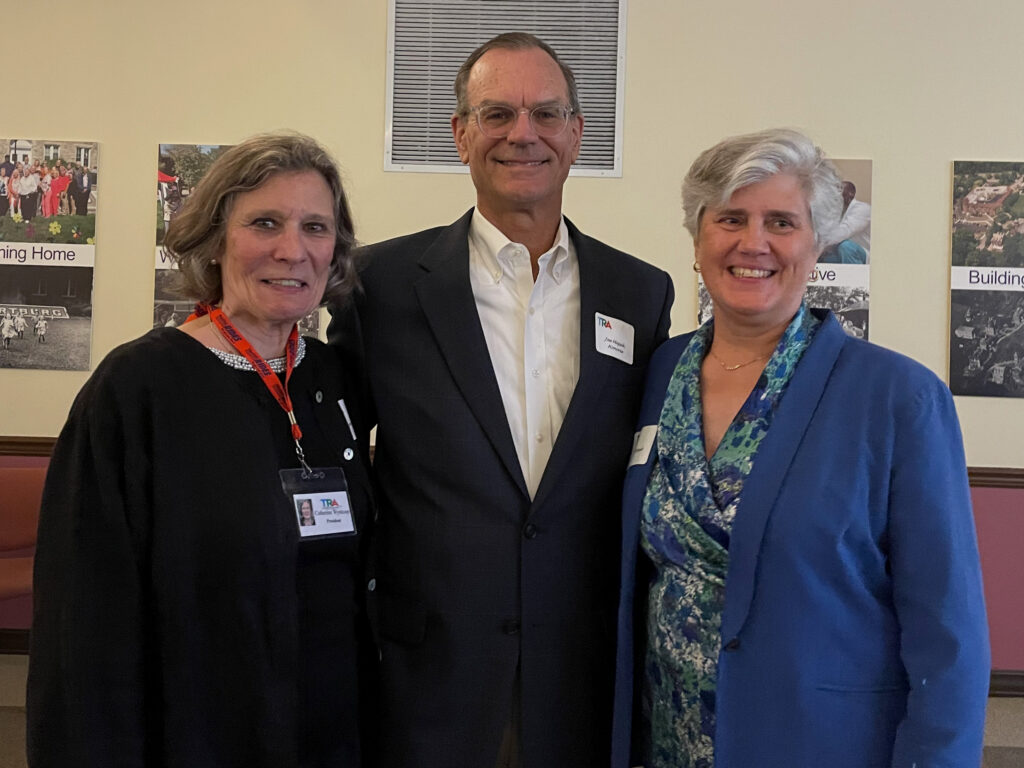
[[500, 256]]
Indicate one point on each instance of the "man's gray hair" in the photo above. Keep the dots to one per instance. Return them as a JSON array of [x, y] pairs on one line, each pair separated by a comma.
[[740, 161], [514, 41]]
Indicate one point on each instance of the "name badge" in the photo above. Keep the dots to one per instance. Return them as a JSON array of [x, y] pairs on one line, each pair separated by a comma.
[[643, 441], [614, 337], [320, 501]]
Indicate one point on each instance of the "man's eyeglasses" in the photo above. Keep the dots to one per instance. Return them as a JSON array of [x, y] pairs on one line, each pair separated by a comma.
[[496, 121]]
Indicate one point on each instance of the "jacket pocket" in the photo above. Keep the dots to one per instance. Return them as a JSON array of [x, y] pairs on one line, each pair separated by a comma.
[[882, 688]]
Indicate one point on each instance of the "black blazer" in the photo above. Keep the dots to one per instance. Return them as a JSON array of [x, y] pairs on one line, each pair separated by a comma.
[[472, 580]]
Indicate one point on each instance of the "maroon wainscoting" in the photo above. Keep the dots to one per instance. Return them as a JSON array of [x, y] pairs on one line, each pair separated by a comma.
[[23, 461], [999, 516], [16, 613]]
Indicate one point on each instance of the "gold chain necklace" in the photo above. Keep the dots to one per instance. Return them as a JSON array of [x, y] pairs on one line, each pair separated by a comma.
[[736, 367]]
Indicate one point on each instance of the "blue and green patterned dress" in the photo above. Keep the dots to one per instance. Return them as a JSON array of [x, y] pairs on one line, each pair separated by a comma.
[[686, 522]]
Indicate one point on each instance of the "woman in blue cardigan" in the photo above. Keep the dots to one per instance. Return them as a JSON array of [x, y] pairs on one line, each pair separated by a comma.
[[800, 577]]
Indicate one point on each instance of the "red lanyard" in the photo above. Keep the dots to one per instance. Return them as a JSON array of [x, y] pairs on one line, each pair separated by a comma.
[[270, 379]]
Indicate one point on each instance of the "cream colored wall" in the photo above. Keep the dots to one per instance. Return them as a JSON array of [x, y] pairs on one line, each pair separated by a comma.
[[912, 85]]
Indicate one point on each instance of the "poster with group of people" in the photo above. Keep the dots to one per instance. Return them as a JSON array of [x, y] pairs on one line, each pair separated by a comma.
[[179, 169], [47, 252], [986, 341], [841, 280]]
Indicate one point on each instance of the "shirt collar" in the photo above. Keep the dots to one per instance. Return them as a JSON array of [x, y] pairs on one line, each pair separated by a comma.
[[500, 256]]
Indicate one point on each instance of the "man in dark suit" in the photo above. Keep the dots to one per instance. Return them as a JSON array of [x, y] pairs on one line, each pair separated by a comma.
[[505, 355], [81, 187]]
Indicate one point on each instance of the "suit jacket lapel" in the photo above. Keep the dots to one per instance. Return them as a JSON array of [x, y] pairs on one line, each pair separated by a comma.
[[446, 298], [774, 457], [595, 278]]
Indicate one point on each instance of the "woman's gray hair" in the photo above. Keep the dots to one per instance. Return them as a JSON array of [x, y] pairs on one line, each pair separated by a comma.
[[740, 161], [195, 238]]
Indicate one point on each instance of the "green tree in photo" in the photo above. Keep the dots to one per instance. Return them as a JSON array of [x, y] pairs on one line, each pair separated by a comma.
[[1013, 250], [965, 253], [191, 163]]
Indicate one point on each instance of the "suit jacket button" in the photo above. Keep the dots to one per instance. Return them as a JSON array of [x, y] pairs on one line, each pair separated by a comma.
[[733, 645], [319, 396], [530, 531], [511, 627]]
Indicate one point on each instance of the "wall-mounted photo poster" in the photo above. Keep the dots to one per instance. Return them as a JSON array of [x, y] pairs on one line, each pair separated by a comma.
[[48, 191], [986, 341], [179, 169], [841, 279]]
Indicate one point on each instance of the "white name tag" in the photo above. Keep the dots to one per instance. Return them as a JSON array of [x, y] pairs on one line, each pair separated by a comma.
[[319, 497], [614, 337], [323, 513], [643, 441]]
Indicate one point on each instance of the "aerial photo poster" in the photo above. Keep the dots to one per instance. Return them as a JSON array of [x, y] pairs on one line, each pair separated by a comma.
[[986, 341]]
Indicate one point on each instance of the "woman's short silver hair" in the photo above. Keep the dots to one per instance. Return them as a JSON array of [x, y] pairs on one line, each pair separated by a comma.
[[740, 161]]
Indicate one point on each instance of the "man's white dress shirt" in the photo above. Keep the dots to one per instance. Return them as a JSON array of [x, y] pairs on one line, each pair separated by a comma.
[[532, 331]]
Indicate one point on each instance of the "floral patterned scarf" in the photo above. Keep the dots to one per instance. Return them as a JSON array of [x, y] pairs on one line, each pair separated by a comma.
[[686, 522]]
